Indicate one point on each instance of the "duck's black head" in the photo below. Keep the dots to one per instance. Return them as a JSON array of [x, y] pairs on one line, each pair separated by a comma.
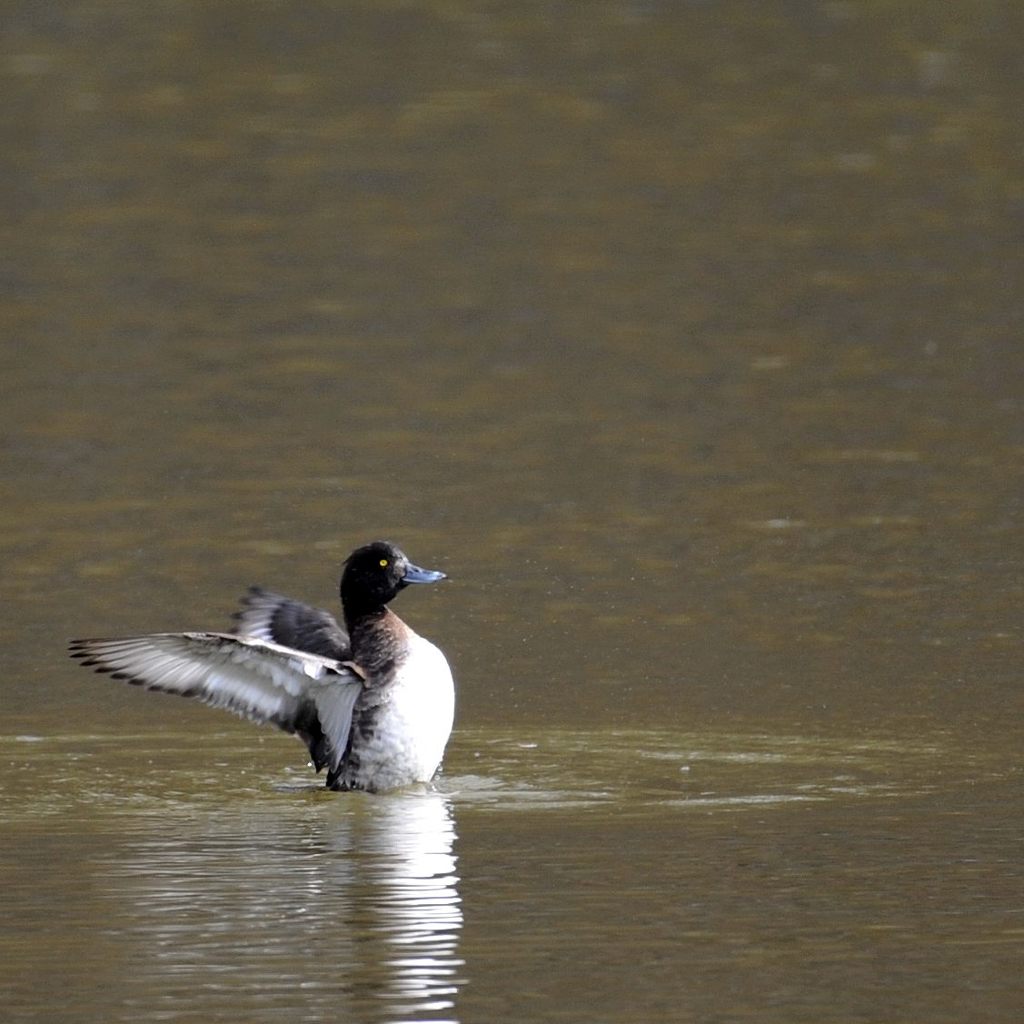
[[374, 574]]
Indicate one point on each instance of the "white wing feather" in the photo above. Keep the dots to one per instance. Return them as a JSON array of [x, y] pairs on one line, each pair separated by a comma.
[[255, 678]]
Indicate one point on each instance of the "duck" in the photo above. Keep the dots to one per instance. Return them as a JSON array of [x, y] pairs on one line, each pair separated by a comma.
[[373, 701]]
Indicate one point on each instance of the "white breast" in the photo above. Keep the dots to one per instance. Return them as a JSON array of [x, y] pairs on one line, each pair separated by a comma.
[[412, 728]]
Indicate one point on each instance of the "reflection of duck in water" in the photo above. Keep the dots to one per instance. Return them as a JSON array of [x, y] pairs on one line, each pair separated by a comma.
[[273, 891], [374, 705]]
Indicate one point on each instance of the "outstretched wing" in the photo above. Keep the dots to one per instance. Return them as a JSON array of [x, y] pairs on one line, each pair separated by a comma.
[[265, 682], [281, 620]]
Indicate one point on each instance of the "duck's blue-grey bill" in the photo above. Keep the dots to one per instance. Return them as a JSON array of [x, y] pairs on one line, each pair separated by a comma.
[[414, 574]]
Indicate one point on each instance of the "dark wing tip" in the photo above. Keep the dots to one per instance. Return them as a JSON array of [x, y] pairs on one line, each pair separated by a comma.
[[79, 649], [84, 655]]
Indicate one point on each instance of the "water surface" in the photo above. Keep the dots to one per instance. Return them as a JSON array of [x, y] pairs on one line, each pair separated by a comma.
[[686, 339], [159, 876]]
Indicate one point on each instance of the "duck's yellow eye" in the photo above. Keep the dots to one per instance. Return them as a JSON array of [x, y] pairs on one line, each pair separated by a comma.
[[383, 563]]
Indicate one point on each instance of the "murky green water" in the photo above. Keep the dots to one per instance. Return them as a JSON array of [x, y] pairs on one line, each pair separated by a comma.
[[548, 874], [686, 339]]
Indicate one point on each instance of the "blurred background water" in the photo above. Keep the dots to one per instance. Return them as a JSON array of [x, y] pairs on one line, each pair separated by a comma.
[[686, 338]]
